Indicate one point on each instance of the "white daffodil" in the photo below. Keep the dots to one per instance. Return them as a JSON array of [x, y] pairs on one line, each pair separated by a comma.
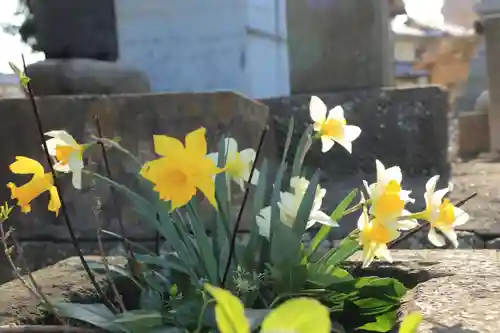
[[332, 127], [374, 236], [388, 200], [238, 163], [67, 153], [442, 214], [289, 205]]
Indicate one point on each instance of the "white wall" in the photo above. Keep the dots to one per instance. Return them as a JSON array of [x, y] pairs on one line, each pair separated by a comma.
[[197, 46]]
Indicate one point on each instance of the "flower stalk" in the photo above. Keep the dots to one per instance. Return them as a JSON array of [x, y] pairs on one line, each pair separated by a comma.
[[64, 211]]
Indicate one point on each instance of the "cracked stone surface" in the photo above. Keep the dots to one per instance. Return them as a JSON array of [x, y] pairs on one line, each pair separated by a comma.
[[456, 290], [461, 292]]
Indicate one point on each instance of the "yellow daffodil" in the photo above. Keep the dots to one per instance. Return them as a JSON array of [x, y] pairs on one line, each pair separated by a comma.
[[297, 315], [289, 205], [238, 163], [182, 170], [374, 236], [332, 127], [388, 199], [39, 183], [442, 214], [67, 154]]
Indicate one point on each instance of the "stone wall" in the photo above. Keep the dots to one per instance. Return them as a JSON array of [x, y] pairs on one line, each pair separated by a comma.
[[405, 127], [133, 118]]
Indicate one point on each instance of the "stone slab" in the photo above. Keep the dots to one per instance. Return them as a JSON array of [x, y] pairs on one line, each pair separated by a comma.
[[474, 133], [481, 175], [134, 118], [85, 77], [63, 281], [457, 290], [37, 255]]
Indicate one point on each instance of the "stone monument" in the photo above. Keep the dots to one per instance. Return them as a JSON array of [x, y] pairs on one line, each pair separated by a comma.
[[79, 39], [197, 46], [489, 12], [339, 45]]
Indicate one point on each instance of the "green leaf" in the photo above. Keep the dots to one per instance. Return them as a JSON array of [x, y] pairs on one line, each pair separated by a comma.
[[276, 195], [222, 191], [325, 276], [204, 245], [339, 211], [411, 322], [347, 247], [383, 323], [141, 205], [138, 321], [167, 329], [302, 149], [23, 79], [169, 261], [177, 239], [304, 211], [335, 216], [254, 245], [151, 299], [96, 314]]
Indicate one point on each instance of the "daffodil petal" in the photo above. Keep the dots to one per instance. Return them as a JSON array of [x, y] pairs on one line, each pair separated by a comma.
[[229, 311], [24, 165], [451, 235], [407, 224], [431, 184], [345, 143], [461, 217], [196, 142], [351, 132], [383, 252], [207, 186], [435, 238], [75, 164], [214, 157], [438, 196], [298, 315], [248, 156], [52, 145], [326, 144], [55, 200], [166, 146], [337, 113], [61, 167], [255, 177], [322, 218], [317, 109], [393, 173], [230, 147], [64, 136], [263, 221]]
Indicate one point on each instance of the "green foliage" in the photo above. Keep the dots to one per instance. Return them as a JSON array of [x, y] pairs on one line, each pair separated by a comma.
[[263, 272]]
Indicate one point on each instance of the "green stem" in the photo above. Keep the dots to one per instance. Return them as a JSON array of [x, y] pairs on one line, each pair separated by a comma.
[[357, 207], [202, 313]]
